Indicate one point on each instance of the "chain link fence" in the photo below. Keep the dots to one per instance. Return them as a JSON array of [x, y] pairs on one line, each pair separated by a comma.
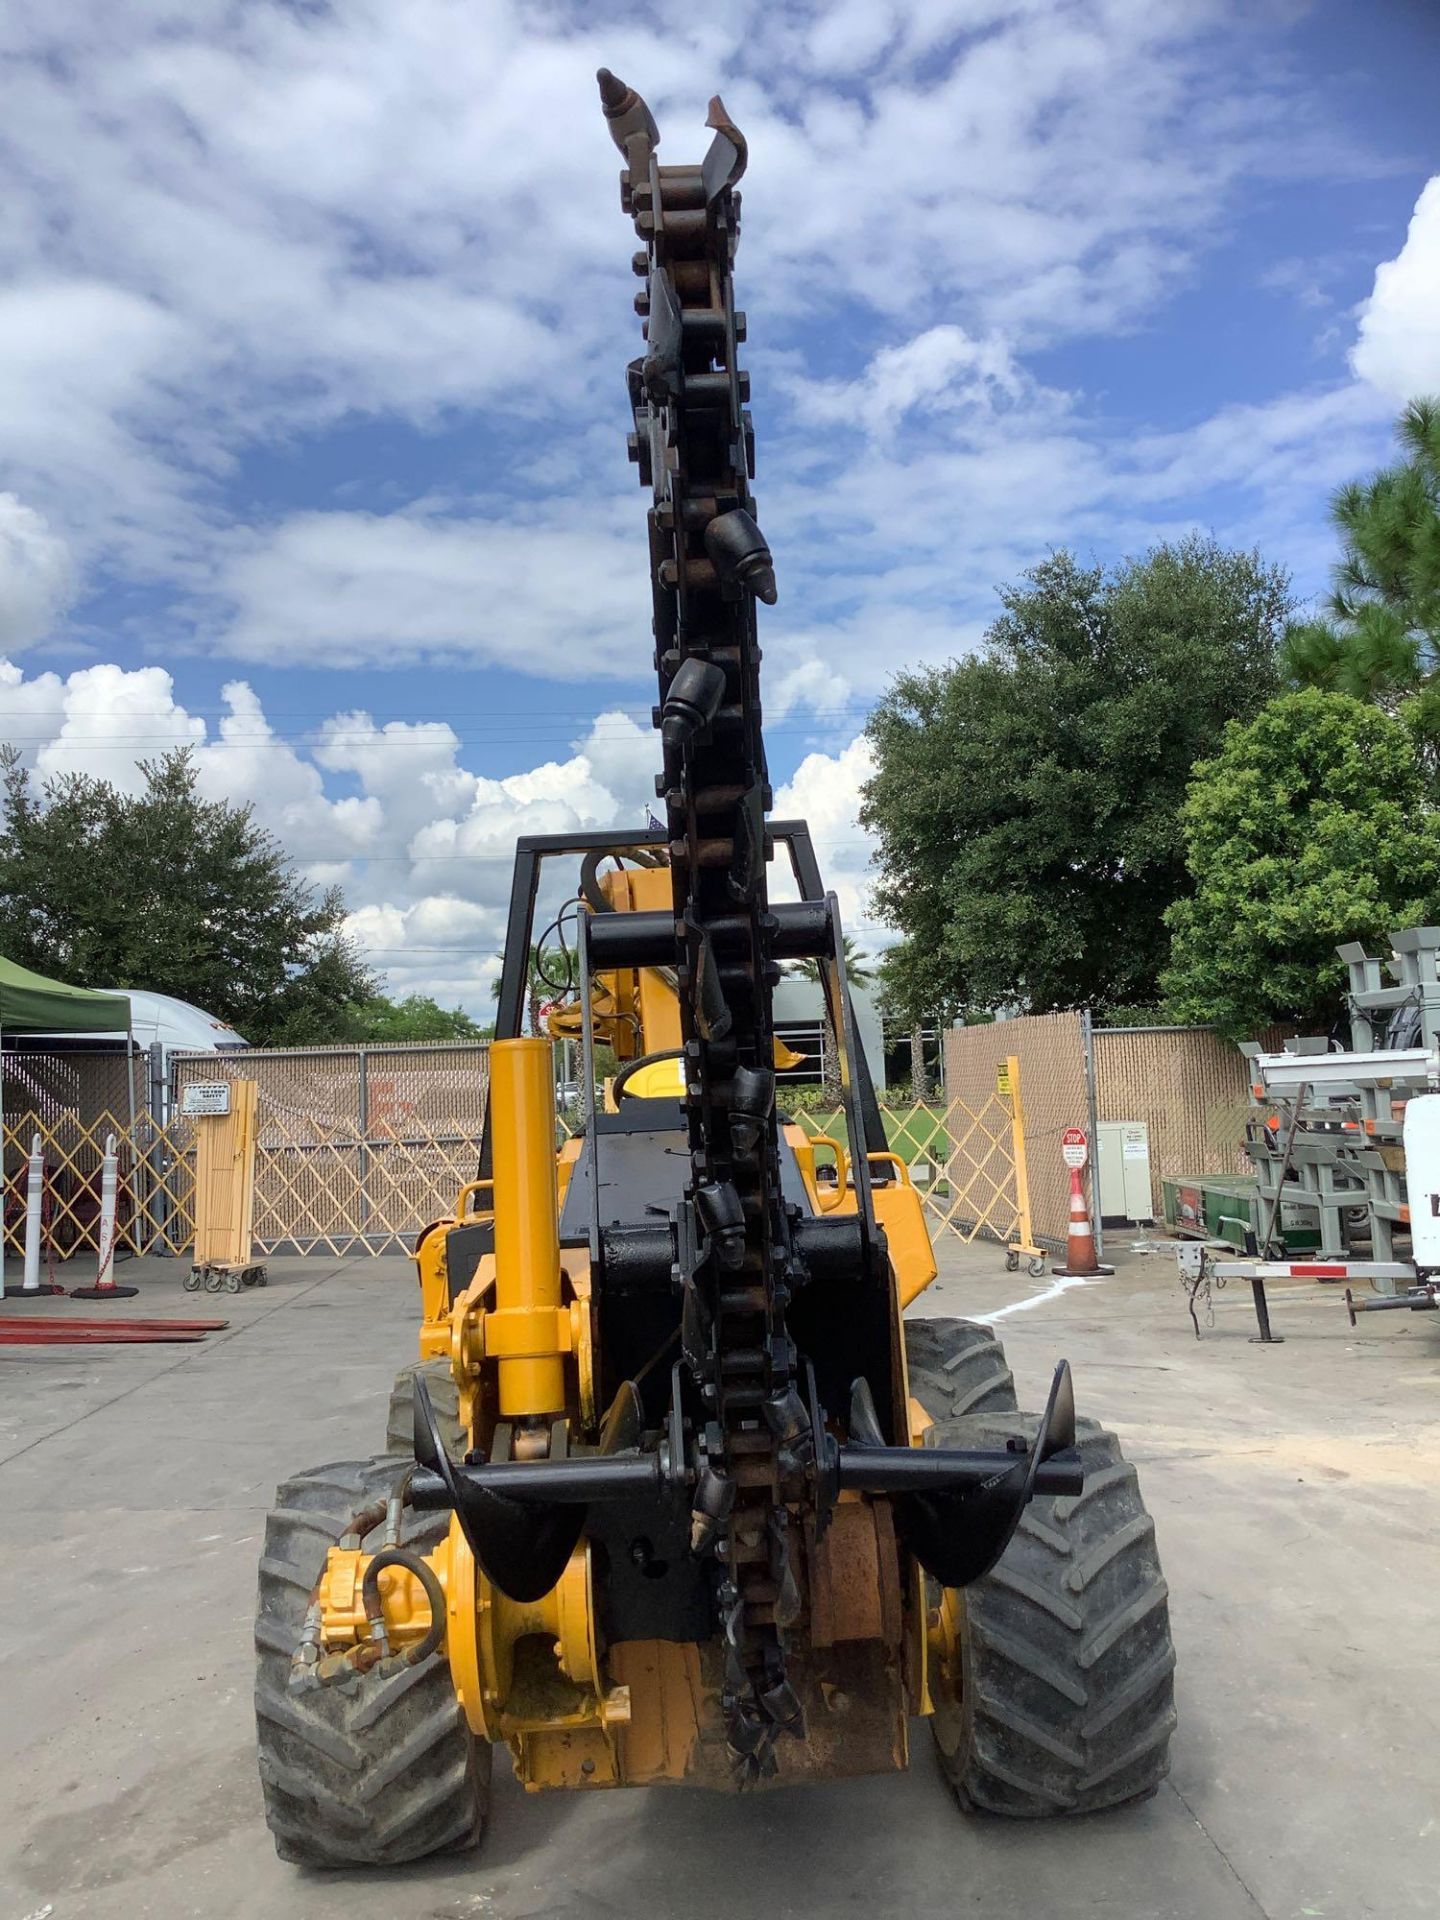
[[357, 1148]]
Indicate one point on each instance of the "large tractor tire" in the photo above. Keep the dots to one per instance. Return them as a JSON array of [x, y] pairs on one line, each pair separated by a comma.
[[444, 1394], [377, 1771], [1064, 1698], [957, 1367]]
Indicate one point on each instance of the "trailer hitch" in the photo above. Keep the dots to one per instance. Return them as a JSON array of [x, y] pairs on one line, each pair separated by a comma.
[[1422, 1298]]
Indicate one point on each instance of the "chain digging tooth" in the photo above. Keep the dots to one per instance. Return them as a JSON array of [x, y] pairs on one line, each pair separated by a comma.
[[736, 545], [786, 1416], [665, 334], [782, 1703], [714, 1498], [750, 1735], [711, 1010], [626, 113], [737, 1679], [692, 702], [696, 1325], [723, 1218], [725, 162], [787, 1588], [752, 1095], [748, 859]]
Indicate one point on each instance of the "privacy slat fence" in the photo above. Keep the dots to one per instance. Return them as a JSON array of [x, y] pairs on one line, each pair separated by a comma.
[[1186, 1084], [1051, 1051], [962, 1157]]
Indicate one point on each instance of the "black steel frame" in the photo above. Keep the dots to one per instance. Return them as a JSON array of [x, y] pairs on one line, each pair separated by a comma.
[[532, 850]]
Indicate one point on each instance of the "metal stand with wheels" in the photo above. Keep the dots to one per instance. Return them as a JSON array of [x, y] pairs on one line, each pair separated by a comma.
[[225, 1276]]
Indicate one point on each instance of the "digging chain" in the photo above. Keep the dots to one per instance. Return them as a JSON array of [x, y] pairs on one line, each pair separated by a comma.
[[694, 446]]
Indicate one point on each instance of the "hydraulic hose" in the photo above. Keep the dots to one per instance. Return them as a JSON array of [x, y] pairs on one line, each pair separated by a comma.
[[590, 872], [375, 1613], [618, 1086]]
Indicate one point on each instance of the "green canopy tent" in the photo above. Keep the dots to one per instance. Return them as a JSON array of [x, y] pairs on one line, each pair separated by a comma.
[[29, 1003]]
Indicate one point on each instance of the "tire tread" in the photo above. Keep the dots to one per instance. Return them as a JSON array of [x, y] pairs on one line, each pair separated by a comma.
[[1067, 1665], [380, 1770], [957, 1369]]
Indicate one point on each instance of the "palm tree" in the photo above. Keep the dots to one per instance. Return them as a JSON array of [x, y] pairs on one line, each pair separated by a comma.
[[545, 966], [859, 972], [919, 1071]]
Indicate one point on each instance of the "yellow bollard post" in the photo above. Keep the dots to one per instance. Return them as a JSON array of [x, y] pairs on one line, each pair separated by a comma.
[[526, 1332], [1022, 1239]]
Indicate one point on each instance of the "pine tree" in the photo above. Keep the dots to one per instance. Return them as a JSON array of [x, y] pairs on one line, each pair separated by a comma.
[[1382, 639]]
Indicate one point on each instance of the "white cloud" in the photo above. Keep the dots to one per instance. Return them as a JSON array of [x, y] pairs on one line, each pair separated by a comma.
[[423, 852], [553, 592], [940, 371], [287, 790], [235, 228], [37, 578], [1398, 348], [825, 792], [99, 720]]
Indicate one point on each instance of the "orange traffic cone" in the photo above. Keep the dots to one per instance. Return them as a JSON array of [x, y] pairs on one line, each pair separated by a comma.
[[1080, 1260]]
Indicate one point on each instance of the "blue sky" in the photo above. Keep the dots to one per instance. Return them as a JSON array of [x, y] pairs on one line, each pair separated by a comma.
[[313, 324]]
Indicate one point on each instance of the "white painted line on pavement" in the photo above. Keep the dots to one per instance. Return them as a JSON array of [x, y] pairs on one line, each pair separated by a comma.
[[1052, 1292]]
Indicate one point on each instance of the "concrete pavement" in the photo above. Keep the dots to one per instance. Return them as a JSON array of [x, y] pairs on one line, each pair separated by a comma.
[[1294, 1490]]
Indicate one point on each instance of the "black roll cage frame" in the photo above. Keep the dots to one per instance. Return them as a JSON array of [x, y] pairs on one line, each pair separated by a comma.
[[533, 849]]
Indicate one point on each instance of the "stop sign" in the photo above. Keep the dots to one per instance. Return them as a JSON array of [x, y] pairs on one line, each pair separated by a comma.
[[1074, 1147]]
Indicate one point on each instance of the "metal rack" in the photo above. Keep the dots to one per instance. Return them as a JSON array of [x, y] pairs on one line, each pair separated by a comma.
[[1325, 1129]]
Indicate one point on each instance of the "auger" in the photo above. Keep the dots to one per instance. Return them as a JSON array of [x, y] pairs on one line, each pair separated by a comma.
[[674, 1493]]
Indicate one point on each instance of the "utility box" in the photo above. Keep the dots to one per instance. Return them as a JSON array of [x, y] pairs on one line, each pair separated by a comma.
[[1123, 1164]]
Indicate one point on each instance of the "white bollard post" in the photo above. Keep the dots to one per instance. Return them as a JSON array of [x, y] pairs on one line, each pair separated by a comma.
[[34, 1203], [35, 1221], [109, 1188], [105, 1287]]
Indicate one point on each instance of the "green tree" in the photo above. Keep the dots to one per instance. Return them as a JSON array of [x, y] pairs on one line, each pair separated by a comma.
[[858, 973], [167, 891], [1381, 640], [417, 1017], [1311, 826], [1026, 801]]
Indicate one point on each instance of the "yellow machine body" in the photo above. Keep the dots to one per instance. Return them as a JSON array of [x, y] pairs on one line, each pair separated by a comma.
[[518, 1333], [666, 1519]]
